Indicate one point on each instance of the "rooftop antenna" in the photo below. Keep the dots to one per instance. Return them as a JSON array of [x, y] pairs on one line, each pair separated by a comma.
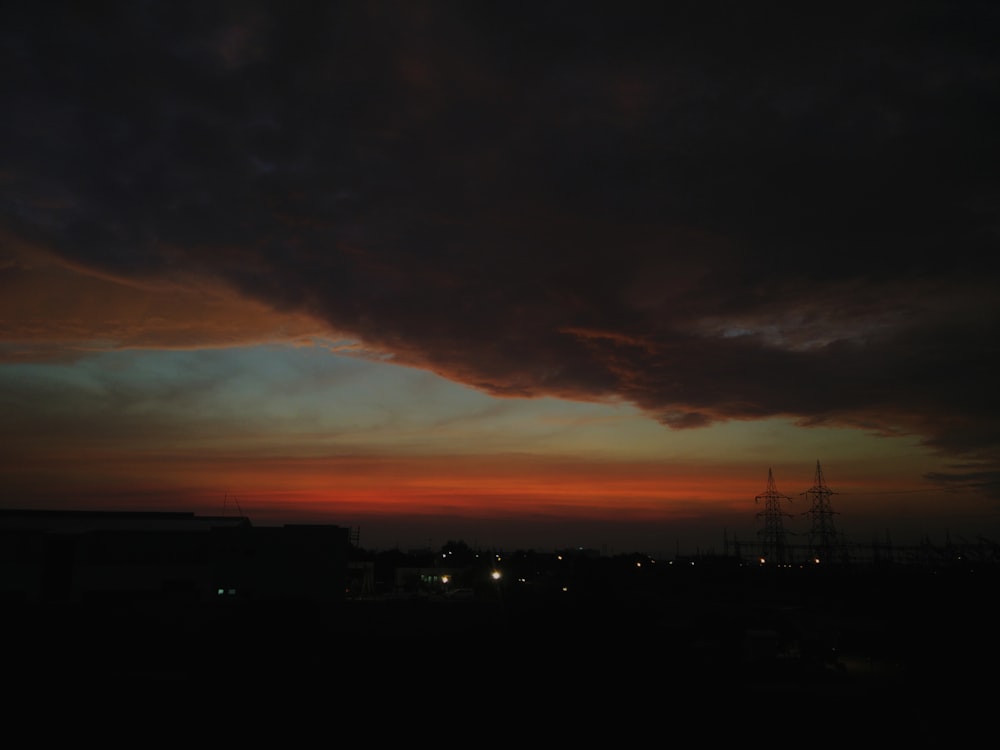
[[225, 503], [772, 533]]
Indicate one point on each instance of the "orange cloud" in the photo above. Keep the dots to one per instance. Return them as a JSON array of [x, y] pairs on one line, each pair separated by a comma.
[[50, 309]]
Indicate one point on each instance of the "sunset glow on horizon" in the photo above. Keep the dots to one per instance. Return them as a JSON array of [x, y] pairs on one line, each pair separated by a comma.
[[541, 280], [335, 447]]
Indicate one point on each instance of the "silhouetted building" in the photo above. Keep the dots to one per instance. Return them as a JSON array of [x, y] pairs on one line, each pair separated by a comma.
[[73, 556]]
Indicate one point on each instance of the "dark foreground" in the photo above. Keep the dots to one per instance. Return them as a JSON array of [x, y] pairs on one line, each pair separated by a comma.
[[904, 652]]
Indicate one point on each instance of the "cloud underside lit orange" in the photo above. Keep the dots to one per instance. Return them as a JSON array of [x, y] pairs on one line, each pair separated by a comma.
[[49, 309]]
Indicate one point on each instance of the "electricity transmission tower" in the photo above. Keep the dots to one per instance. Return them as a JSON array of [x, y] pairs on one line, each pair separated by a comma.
[[772, 532], [824, 541]]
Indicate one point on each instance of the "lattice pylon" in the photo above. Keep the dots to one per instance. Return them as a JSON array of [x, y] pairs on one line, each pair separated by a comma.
[[824, 541], [772, 532]]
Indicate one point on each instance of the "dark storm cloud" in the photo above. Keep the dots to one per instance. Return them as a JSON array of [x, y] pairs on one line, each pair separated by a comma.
[[708, 211]]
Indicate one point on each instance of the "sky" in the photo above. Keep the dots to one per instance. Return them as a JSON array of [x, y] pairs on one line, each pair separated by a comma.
[[527, 275]]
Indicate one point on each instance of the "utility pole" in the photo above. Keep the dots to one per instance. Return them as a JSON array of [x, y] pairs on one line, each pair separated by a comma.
[[772, 532]]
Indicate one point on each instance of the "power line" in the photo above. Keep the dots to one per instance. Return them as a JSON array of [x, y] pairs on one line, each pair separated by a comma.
[[888, 492]]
